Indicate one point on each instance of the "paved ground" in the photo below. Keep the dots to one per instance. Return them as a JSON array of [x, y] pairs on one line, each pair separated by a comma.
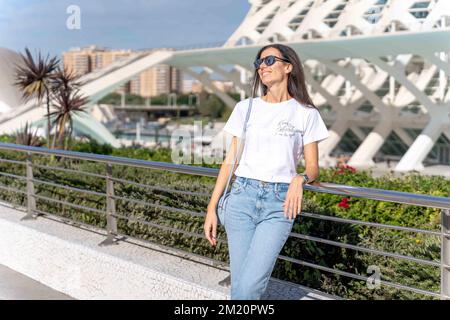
[[15, 286]]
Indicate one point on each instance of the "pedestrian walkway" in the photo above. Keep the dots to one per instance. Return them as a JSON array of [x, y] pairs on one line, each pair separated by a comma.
[[16, 286]]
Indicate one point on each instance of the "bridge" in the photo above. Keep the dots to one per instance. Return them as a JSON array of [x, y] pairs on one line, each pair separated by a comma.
[[90, 250]]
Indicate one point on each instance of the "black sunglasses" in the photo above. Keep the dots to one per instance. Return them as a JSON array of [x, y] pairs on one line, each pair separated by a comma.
[[269, 60]]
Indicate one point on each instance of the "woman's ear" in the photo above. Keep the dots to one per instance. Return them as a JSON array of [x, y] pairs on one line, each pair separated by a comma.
[[289, 68]]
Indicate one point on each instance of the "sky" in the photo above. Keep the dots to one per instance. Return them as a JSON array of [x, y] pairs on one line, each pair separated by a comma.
[[128, 24]]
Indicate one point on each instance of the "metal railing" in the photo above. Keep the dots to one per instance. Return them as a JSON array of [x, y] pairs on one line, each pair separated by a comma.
[[112, 216]]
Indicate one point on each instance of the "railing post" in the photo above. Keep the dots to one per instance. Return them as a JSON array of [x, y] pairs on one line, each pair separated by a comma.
[[31, 200], [445, 254], [111, 220], [226, 282]]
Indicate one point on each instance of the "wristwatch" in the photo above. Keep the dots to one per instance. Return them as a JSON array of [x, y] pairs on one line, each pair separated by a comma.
[[305, 177]]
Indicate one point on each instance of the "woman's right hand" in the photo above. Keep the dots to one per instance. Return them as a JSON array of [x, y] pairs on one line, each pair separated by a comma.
[[210, 226]]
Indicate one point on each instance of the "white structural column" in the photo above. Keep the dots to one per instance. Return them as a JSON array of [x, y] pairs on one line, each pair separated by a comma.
[[417, 152], [366, 151], [413, 158], [363, 156]]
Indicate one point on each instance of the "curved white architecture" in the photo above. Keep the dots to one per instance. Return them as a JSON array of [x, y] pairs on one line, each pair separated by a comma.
[[378, 70], [9, 95], [14, 114], [384, 91]]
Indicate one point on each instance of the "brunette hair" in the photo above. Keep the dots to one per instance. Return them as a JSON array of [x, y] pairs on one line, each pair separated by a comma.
[[296, 81]]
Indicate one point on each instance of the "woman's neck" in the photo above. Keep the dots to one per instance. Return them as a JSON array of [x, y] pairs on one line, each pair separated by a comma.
[[275, 98], [276, 94]]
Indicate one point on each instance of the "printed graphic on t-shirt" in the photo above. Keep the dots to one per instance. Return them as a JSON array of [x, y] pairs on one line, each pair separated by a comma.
[[285, 128]]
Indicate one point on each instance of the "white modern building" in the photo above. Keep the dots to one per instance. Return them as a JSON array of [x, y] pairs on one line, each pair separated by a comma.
[[377, 69], [385, 105]]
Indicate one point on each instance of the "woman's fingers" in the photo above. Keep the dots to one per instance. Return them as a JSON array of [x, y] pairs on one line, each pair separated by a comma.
[[207, 234], [214, 234], [292, 205], [210, 232], [289, 206], [299, 207], [294, 208]]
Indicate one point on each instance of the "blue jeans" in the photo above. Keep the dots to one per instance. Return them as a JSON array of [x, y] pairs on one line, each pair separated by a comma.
[[257, 231]]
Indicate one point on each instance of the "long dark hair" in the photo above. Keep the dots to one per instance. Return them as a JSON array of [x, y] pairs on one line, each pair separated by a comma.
[[296, 81]]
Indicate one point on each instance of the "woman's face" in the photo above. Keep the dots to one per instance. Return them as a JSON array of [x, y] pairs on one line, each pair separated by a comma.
[[277, 72]]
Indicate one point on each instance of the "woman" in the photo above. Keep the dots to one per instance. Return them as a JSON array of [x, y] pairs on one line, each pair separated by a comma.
[[266, 195]]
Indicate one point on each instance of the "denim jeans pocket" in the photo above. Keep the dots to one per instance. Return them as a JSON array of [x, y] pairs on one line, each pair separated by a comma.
[[281, 191], [221, 208], [237, 186]]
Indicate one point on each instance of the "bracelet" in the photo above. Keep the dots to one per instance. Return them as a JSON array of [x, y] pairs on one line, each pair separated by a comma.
[[305, 178]]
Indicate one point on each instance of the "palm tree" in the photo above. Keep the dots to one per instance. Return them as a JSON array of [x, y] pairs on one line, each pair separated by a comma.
[[27, 137], [65, 79], [67, 103], [34, 80]]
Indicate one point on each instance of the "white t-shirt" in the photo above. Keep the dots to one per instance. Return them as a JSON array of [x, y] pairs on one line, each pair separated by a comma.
[[273, 141]]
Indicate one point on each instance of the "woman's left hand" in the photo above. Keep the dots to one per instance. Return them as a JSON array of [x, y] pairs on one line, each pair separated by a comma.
[[293, 202]]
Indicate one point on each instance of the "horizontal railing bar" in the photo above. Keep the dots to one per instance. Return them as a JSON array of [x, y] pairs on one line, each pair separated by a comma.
[[69, 188], [69, 204], [370, 224], [329, 188], [12, 161], [363, 249], [12, 175], [192, 213], [180, 168], [96, 175], [151, 224], [358, 277], [191, 193], [381, 195], [12, 189]]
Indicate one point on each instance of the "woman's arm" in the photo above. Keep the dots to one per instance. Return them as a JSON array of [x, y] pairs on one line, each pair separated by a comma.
[[293, 202], [311, 161]]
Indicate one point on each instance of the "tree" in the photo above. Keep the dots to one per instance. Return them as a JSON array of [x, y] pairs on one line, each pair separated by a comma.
[[27, 137], [211, 106], [34, 79], [67, 103]]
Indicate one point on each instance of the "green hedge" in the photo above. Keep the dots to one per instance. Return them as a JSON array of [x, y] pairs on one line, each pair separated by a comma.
[[405, 243]]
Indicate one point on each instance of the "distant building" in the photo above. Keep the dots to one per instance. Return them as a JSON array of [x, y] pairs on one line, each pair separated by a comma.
[[196, 86], [224, 86], [160, 79]]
